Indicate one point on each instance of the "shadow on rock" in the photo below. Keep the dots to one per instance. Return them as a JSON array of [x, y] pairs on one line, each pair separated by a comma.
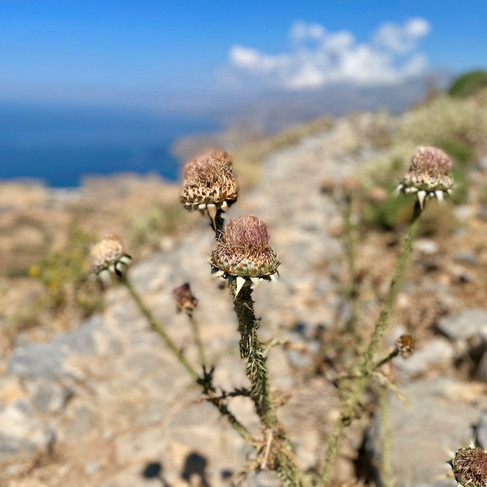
[[194, 471], [154, 470]]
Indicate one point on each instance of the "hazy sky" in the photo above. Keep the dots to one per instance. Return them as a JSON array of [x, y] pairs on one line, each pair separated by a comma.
[[163, 53]]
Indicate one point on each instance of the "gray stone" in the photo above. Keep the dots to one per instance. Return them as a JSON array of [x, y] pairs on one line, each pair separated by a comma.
[[481, 431], [471, 323], [436, 354], [436, 421], [466, 257], [22, 431], [82, 422], [298, 359], [37, 360], [46, 359], [426, 246], [49, 395], [262, 479]]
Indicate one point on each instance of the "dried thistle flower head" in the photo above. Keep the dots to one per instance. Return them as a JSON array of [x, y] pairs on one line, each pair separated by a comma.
[[470, 467], [209, 184], [244, 252], [429, 175], [185, 300], [108, 256], [405, 345]]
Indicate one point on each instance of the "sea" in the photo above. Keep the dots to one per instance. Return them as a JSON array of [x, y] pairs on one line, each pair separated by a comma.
[[60, 145]]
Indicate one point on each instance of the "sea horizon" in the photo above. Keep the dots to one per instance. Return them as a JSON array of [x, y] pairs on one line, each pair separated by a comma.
[[59, 146]]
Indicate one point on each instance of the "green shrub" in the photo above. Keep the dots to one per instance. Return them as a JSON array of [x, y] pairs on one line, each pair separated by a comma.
[[388, 215], [446, 119], [468, 84], [64, 275]]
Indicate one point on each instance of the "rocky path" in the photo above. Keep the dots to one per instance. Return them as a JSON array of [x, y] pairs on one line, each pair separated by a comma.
[[107, 405]]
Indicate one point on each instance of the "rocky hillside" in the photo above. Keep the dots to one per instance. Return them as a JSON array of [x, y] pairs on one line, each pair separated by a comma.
[[105, 404]]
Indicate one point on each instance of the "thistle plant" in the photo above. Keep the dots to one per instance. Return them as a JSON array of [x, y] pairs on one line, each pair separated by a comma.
[[109, 258], [244, 254], [243, 257], [469, 467], [210, 186], [186, 302], [428, 177], [108, 255]]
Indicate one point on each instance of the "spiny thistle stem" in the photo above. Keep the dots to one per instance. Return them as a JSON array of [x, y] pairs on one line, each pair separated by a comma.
[[385, 315], [202, 381], [279, 453], [206, 383], [251, 349], [367, 366]]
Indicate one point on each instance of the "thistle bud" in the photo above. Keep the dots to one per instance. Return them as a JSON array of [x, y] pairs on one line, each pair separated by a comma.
[[429, 175], [185, 300], [244, 252], [209, 183], [108, 255], [405, 345], [470, 467]]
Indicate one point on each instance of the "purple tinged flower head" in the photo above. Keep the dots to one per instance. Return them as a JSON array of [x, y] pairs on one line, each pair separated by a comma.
[[429, 175], [244, 252]]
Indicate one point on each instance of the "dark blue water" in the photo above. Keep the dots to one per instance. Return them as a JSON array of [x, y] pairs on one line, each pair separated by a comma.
[[61, 145]]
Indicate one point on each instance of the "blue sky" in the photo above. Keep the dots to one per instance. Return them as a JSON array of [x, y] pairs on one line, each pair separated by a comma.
[[163, 53]]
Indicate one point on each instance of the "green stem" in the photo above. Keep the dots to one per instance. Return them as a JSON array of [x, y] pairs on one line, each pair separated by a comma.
[[197, 338], [401, 266], [386, 359], [159, 329], [367, 366], [252, 350]]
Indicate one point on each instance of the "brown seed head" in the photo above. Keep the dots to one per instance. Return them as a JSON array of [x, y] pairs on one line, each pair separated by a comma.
[[429, 171], [244, 249], [405, 345], [185, 300], [470, 467], [109, 254], [209, 180]]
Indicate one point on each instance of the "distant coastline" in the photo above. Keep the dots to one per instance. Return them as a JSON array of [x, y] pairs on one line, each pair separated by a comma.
[[59, 146]]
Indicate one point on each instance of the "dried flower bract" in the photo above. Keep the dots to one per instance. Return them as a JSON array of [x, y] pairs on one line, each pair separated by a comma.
[[429, 175], [244, 252], [470, 467], [405, 345], [108, 256], [209, 183], [185, 300]]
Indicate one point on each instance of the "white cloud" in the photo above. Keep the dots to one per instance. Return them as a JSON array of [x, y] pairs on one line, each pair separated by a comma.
[[319, 57], [401, 39]]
